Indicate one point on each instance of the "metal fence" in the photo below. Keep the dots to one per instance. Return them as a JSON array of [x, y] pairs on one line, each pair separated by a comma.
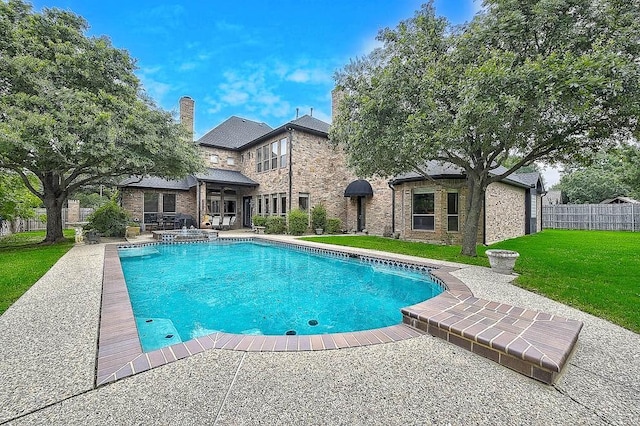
[[604, 217], [39, 222]]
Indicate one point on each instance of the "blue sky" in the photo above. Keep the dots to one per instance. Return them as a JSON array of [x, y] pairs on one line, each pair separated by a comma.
[[255, 59]]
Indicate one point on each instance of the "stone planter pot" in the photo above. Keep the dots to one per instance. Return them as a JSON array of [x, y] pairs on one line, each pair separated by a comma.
[[502, 261], [318, 231]]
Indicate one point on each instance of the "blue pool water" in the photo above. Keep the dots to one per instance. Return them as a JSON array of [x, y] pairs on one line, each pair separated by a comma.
[[182, 291]]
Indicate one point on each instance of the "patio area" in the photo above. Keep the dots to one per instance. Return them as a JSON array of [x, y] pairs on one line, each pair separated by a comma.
[[48, 349]]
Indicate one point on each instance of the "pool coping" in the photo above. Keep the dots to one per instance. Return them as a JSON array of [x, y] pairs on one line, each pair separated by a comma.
[[120, 353]]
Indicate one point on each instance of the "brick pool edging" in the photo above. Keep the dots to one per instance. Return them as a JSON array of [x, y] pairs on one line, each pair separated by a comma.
[[454, 315]]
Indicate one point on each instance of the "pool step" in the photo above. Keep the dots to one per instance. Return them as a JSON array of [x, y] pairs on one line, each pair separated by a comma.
[[533, 343]]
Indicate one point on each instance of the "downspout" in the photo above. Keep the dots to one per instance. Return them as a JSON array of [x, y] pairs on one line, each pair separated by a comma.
[[198, 198], [484, 219], [393, 207], [542, 194], [290, 166]]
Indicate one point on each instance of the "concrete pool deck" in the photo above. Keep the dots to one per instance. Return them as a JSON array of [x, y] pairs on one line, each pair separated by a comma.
[[48, 348]]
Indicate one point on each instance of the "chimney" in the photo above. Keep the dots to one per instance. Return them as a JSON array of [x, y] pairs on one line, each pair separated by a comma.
[[336, 96], [186, 113]]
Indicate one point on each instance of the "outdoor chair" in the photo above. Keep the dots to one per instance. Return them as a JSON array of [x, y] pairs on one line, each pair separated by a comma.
[[92, 236], [226, 222], [215, 222]]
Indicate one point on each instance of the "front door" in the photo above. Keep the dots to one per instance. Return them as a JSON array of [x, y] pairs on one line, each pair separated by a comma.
[[246, 212], [361, 216]]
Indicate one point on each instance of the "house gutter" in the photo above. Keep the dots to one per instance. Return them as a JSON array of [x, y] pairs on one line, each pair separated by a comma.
[[484, 219], [290, 130], [393, 207]]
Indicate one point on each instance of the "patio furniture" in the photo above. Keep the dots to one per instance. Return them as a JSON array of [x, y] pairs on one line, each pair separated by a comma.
[[92, 236], [226, 222], [215, 222]]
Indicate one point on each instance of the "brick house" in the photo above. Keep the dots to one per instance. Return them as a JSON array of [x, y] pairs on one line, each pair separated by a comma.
[[253, 169]]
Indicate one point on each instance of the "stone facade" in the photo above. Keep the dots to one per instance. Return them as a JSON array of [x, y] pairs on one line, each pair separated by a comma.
[[318, 171], [441, 234], [219, 158], [132, 200], [505, 216], [377, 209]]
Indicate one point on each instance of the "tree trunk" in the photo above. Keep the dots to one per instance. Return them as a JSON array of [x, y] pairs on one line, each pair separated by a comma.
[[54, 219], [472, 220]]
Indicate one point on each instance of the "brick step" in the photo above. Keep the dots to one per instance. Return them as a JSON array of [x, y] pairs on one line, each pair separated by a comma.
[[532, 343]]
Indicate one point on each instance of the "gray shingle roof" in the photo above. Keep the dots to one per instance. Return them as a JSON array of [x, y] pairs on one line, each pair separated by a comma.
[[439, 170], [233, 133], [311, 123], [225, 176], [159, 183]]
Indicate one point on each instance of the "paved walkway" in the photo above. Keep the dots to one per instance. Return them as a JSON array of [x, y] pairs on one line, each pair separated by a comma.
[[48, 343]]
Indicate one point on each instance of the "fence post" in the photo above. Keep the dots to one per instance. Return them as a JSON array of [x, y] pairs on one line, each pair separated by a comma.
[[633, 218]]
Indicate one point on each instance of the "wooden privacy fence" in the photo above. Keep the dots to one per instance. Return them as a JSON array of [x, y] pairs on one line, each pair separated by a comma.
[[36, 224], [604, 217]]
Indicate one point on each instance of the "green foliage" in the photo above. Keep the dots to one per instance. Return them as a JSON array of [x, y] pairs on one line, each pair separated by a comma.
[[298, 222], [319, 217], [15, 199], [612, 173], [334, 225], [73, 112], [275, 225], [110, 220], [258, 220], [534, 80], [590, 270], [24, 261]]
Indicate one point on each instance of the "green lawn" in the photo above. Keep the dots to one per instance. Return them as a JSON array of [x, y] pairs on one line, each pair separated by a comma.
[[595, 271], [24, 260]]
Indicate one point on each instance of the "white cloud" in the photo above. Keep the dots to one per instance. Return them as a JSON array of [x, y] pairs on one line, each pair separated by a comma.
[[312, 75]]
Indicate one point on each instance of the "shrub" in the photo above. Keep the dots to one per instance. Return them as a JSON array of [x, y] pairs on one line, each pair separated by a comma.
[[319, 217], [275, 225], [334, 225], [298, 222], [259, 220], [110, 220]]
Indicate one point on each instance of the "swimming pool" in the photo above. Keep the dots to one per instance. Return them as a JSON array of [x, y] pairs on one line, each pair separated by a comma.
[[182, 291]]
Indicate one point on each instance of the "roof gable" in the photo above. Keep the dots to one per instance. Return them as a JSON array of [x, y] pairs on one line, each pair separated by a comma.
[[233, 133]]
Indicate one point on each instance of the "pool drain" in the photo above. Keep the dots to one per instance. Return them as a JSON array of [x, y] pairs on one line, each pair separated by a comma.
[[168, 336], [149, 320], [290, 333], [313, 322]]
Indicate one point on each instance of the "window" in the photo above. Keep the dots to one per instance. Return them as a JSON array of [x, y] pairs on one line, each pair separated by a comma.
[[266, 205], [283, 152], [274, 199], [265, 158], [229, 207], [213, 159], [168, 203], [534, 206], [150, 213], [303, 202], [259, 159], [423, 214], [283, 204], [231, 161], [274, 155], [259, 205], [452, 212]]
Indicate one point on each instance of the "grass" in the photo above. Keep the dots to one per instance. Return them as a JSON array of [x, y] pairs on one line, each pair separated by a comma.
[[594, 271], [24, 260]]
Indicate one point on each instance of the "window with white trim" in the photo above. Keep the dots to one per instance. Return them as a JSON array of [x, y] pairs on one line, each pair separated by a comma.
[[423, 209]]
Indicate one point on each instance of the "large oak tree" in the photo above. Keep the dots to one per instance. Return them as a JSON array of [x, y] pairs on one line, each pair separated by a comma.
[[73, 113], [547, 80]]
